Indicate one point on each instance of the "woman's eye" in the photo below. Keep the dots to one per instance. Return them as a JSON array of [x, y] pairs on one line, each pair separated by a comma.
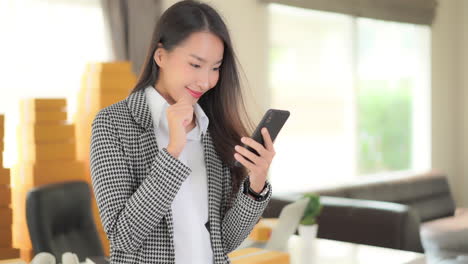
[[216, 69], [195, 65]]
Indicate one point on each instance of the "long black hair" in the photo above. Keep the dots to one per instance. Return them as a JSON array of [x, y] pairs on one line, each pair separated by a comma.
[[224, 104]]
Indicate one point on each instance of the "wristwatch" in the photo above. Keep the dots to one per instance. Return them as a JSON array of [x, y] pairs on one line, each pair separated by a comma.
[[257, 196]]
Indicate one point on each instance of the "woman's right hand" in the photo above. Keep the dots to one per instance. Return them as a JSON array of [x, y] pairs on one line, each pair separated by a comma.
[[179, 116]]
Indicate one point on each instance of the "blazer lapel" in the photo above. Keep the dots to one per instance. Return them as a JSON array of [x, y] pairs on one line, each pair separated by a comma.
[[214, 170], [147, 144]]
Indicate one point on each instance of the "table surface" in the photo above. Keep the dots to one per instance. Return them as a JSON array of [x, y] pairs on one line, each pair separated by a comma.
[[324, 251]]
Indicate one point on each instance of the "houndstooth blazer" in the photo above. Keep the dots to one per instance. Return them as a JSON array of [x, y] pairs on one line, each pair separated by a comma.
[[135, 183]]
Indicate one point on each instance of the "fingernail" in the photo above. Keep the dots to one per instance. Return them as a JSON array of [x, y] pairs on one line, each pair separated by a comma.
[[264, 130]]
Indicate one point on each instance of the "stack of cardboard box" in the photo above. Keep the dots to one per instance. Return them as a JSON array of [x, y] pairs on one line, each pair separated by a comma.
[[102, 84], [47, 154], [6, 218], [258, 256]]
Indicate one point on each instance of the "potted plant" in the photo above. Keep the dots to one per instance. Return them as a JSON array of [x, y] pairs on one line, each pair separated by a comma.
[[308, 224]]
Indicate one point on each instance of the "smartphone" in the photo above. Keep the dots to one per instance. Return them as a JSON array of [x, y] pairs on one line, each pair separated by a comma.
[[273, 120]]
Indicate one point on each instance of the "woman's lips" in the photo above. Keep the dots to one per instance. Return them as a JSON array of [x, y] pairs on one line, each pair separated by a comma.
[[194, 94]]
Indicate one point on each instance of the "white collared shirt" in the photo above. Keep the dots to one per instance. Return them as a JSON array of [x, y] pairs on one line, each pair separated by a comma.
[[190, 206]]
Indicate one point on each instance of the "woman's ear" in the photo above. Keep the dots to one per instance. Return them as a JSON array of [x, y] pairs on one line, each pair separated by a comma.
[[158, 55]]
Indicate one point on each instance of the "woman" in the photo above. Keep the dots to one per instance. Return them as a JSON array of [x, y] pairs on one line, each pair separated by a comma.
[[162, 159]]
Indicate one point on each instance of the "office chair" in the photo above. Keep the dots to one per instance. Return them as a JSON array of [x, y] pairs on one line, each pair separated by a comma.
[[60, 220]]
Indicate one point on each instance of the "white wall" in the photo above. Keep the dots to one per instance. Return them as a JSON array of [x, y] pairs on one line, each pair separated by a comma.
[[247, 20], [463, 100], [449, 80]]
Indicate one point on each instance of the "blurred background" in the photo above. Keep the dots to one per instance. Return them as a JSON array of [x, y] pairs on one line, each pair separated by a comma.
[[371, 92]]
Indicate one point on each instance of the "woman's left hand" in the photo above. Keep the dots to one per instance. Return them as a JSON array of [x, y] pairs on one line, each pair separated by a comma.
[[260, 164]]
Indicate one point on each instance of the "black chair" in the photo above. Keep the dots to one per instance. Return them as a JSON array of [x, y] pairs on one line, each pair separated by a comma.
[[60, 220]]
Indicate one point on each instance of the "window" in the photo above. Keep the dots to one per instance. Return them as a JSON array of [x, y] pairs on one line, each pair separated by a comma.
[[358, 93], [45, 46]]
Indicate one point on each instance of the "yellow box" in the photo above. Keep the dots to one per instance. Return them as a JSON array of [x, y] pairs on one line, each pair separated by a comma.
[[83, 141], [26, 254], [46, 133], [262, 230], [105, 243], [110, 67], [4, 176], [31, 175], [5, 196], [44, 104], [29, 115], [90, 100], [258, 256], [102, 83], [100, 80], [5, 234], [46, 152], [21, 237], [19, 204], [9, 253], [6, 216]]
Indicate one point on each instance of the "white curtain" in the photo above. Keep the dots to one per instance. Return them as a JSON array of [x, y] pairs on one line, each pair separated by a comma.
[[44, 47]]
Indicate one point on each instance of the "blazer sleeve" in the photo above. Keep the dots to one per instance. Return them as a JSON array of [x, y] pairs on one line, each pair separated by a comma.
[[129, 214], [241, 218]]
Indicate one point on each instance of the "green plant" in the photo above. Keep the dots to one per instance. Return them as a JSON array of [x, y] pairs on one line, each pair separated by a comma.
[[313, 209]]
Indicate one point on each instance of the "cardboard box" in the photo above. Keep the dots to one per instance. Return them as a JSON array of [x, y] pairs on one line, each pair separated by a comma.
[[19, 204], [26, 254], [9, 253], [31, 175], [4, 176], [2, 145], [43, 105], [46, 152], [6, 241], [114, 67], [5, 196], [262, 230], [6, 216], [46, 133], [90, 100], [258, 256], [109, 83], [28, 116], [21, 237]]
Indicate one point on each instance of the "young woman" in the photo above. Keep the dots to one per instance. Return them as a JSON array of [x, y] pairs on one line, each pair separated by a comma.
[[162, 159]]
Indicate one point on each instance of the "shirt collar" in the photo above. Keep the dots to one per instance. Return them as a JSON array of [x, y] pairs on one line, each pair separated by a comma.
[[158, 105]]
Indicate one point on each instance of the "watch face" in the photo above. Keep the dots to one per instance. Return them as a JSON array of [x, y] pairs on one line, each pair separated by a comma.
[[265, 191]]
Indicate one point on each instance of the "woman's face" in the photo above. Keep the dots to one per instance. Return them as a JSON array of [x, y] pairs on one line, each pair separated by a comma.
[[190, 68]]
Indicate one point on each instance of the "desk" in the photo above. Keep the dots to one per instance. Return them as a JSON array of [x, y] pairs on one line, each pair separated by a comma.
[[326, 251]]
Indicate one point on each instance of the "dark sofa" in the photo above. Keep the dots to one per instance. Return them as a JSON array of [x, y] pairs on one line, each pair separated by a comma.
[[385, 210]]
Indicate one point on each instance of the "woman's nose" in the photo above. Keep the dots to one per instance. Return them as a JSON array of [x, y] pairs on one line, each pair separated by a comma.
[[204, 81]]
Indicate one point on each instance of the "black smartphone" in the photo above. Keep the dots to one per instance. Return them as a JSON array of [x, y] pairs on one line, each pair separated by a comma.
[[273, 120]]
